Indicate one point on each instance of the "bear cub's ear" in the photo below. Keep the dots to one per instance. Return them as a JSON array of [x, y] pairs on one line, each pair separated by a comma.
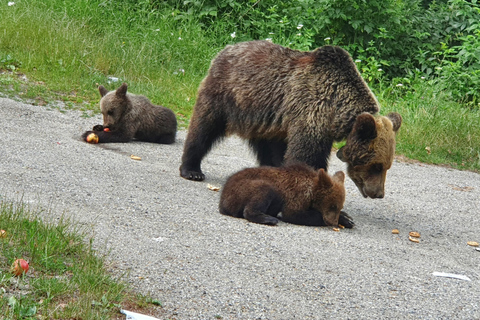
[[339, 176], [103, 91], [396, 119], [324, 180], [364, 127], [122, 91]]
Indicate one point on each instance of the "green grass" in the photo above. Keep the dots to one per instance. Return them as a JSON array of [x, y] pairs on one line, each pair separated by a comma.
[[66, 278], [67, 48], [435, 129]]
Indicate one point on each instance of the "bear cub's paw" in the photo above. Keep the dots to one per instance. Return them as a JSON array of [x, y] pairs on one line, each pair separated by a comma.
[[345, 220], [98, 127]]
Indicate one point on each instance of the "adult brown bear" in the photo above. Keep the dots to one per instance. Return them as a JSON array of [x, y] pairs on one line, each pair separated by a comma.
[[291, 106]]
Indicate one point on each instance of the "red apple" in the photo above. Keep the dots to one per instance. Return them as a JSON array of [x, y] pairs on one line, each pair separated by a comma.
[[106, 129], [19, 267]]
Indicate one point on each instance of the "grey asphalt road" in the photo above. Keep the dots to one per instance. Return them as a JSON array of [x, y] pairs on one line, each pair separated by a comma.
[[167, 235]]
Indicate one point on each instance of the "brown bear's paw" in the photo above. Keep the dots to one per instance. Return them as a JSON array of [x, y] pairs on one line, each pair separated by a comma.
[[345, 220], [262, 219], [195, 175], [98, 127]]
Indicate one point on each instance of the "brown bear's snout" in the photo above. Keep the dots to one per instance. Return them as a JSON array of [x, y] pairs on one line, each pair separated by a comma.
[[370, 183], [331, 218], [375, 193], [371, 187]]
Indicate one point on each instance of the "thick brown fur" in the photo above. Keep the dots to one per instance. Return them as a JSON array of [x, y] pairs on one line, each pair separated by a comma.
[[130, 117], [303, 196], [290, 105], [369, 152]]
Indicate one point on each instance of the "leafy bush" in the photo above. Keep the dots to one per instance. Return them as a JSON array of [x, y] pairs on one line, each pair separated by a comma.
[[391, 38]]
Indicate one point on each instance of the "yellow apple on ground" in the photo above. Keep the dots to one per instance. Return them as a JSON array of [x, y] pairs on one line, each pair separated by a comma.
[[92, 138]]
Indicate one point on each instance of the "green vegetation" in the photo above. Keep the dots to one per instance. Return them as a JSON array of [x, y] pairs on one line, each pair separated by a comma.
[[66, 280], [420, 57]]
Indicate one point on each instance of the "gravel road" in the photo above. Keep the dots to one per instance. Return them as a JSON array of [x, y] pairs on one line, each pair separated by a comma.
[[167, 233]]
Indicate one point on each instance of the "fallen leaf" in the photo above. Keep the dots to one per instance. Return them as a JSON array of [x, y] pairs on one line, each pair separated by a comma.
[[416, 240], [135, 157], [464, 189], [414, 234], [213, 188], [395, 231], [472, 243]]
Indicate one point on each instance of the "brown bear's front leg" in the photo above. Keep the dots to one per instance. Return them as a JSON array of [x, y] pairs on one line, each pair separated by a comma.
[[206, 127]]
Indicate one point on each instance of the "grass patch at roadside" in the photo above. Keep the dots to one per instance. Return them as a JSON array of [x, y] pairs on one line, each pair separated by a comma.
[[67, 279], [435, 129], [68, 49]]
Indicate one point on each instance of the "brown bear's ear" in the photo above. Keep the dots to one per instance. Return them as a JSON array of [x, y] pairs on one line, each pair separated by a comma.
[[103, 91], [340, 154], [365, 127], [340, 176], [396, 119], [324, 180], [122, 91]]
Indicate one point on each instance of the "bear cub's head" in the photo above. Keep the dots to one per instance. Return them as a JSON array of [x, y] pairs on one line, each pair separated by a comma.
[[329, 196], [114, 105], [369, 152]]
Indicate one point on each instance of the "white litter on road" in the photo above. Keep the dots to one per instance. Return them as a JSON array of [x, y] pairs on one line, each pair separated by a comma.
[[136, 316], [451, 275]]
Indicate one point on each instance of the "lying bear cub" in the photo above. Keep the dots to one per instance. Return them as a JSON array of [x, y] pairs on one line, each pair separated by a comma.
[[129, 117], [303, 195]]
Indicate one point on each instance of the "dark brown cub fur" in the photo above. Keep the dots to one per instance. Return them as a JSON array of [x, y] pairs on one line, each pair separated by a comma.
[[129, 117], [303, 195]]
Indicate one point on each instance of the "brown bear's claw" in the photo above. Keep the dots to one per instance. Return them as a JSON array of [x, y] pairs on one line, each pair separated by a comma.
[[345, 220]]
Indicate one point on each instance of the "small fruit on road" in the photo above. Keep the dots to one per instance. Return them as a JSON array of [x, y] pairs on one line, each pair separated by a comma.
[[19, 266], [92, 138]]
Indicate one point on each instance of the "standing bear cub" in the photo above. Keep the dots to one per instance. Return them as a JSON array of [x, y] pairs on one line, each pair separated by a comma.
[[303, 196], [291, 106], [127, 117]]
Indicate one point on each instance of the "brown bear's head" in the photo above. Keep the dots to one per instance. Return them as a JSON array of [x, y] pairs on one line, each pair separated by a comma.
[[113, 105], [369, 152], [329, 196]]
